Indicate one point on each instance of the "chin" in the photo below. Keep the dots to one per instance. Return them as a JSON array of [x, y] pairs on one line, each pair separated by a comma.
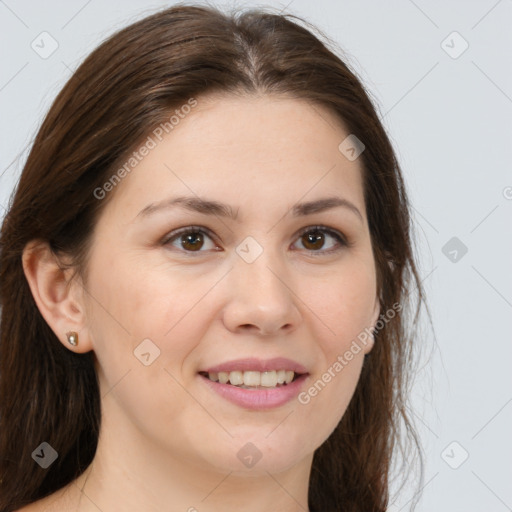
[[260, 453]]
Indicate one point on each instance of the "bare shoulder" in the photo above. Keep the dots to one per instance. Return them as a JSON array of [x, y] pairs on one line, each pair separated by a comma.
[[64, 500], [37, 506]]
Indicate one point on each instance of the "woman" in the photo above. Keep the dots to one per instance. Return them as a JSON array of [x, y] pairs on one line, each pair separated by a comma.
[[205, 272]]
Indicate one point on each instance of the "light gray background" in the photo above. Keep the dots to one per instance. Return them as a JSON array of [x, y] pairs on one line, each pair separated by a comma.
[[450, 120]]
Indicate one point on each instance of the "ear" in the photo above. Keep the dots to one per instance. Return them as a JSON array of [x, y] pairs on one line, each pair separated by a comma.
[[58, 297], [375, 317]]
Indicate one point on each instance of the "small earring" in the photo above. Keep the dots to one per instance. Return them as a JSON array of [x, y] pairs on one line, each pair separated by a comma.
[[72, 338]]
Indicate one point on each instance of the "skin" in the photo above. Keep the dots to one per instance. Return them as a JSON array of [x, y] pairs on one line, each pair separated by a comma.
[[168, 442]]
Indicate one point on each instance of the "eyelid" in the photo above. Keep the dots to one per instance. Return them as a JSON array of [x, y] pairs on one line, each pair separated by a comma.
[[330, 231], [342, 241], [185, 230], [334, 233]]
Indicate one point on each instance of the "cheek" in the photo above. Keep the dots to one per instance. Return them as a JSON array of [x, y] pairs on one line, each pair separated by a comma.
[[143, 330], [328, 394], [344, 306], [136, 310]]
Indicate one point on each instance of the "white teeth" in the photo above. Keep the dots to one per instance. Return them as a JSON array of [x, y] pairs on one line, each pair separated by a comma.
[[236, 378], [251, 378], [269, 379]]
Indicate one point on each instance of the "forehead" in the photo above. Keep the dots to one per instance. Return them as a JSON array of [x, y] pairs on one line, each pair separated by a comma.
[[243, 149]]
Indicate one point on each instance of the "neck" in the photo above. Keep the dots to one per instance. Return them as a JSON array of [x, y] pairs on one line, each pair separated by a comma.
[[130, 473]]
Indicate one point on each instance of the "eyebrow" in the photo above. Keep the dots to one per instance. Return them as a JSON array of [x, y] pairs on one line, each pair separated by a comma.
[[211, 207]]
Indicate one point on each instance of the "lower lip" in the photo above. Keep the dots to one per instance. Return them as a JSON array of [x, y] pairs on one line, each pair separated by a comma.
[[257, 399]]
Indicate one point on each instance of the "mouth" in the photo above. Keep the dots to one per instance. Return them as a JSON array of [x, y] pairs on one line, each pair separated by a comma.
[[253, 379], [255, 384]]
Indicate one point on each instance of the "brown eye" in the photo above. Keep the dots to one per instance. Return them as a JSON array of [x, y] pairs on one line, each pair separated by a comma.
[[195, 239], [190, 239], [314, 238]]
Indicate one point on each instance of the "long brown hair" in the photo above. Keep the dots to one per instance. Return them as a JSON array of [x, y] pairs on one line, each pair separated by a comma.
[[125, 88]]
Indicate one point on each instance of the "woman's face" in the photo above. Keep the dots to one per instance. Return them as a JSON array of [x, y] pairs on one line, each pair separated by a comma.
[[258, 284]]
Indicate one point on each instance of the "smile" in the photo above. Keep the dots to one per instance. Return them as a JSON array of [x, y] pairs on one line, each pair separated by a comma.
[[256, 384], [253, 379]]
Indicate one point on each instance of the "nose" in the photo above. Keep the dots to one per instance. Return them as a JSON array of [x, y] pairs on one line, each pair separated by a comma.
[[261, 298]]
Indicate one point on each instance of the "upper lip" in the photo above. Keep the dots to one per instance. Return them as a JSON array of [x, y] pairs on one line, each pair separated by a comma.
[[258, 365]]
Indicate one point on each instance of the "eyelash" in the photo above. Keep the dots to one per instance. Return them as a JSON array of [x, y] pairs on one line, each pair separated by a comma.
[[342, 241]]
